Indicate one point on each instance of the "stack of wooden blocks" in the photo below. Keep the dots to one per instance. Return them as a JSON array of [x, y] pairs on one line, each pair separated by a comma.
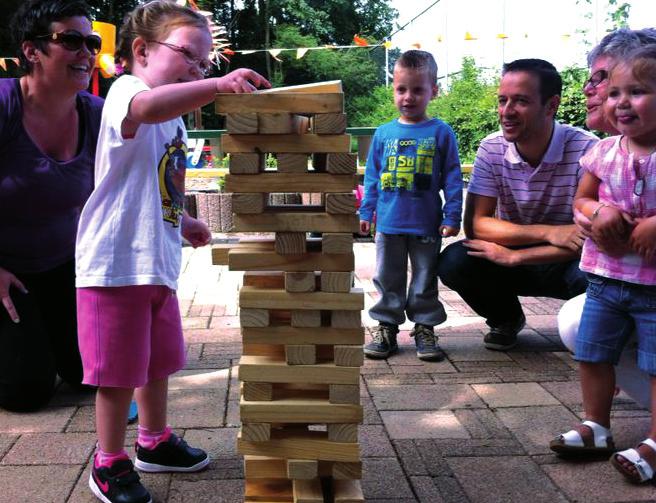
[[300, 315]]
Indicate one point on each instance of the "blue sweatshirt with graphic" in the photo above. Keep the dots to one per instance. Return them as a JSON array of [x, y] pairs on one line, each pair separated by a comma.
[[407, 167]]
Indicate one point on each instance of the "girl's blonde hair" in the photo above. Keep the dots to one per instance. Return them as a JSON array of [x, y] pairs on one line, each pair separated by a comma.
[[153, 20], [642, 64]]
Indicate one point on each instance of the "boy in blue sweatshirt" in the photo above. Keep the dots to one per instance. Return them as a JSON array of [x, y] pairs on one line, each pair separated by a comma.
[[411, 160]]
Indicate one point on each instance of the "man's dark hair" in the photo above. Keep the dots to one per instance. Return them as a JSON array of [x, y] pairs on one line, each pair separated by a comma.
[[550, 82], [33, 18], [420, 61]]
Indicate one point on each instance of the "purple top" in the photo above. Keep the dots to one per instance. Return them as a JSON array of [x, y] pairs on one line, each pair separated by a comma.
[[40, 197]]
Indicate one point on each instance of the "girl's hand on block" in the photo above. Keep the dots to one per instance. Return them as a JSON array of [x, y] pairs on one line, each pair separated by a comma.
[[242, 80], [448, 231], [365, 227], [195, 231]]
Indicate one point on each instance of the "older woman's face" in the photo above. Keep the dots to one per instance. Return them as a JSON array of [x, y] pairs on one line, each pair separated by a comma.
[[595, 90]]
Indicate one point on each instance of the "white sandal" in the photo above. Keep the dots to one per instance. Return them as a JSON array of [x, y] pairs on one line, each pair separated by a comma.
[[572, 443], [643, 470]]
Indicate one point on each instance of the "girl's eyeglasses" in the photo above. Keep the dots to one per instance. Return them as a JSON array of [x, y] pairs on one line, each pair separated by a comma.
[[203, 64], [73, 40], [595, 79]]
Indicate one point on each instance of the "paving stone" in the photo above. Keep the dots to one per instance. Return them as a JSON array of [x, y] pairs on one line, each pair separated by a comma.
[[450, 489], [232, 414], [479, 447], [419, 424], [221, 491], [221, 351], [539, 361], [426, 490], [567, 393], [51, 448], [482, 423], [84, 420], [535, 427], [199, 379], [374, 442], [219, 443], [6, 441], [67, 396], [195, 322], [469, 349], [508, 479], [371, 415], [35, 483], [224, 322], [514, 394], [597, 482], [411, 460], [51, 419], [401, 379], [212, 335], [465, 378], [486, 366], [512, 375], [423, 397], [383, 478], [196, 408]]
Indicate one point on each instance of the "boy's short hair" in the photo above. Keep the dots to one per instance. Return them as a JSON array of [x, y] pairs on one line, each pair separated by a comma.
[[550, 82], [420, 61], [642, 64]]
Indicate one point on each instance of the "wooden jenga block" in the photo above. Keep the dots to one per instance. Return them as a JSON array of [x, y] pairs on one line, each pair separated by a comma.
[[272, 370], [256, 260], [288, 143], [242, 123], [340, 282], [246, 203], [290, 243], [259, 391], [346, 471], [292, 163], [344, 432], [267, 490], [256, 432], [284, 182], [302, 469], [246, 164], [341, 163], [349, 356], [299, 410], [282, 123], [307, 491], [298, 103], [306, 318], [263, 467], [285, 334], [345, 319], [328, 86], [301, 354], [329, 123], [300, 282], [296, 222], [253, 317], [347, 491], [280, 299], [340, 203], [344, 393], [336, 243], [264, 279]]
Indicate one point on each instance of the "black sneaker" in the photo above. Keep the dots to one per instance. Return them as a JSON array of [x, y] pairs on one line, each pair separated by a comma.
[[504, 337], [426, 342], [171, 455], [383, 342], [118, 483]]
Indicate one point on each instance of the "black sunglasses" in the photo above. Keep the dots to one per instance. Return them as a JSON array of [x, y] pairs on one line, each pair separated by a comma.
[[73, 40], [596, 78]]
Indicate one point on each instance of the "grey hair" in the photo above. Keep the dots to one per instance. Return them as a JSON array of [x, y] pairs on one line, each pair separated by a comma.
[[619, 43]]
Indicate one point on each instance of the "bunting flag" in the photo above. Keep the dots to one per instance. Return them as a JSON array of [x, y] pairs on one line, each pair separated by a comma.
[[358, 40], [3, 62], [274, 54], [301, 52]]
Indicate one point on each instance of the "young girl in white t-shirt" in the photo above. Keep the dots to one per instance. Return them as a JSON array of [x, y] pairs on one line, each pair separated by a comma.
[[128, 244]]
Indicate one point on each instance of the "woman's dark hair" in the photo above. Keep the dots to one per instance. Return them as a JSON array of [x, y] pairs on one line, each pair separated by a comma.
[[34, 17]]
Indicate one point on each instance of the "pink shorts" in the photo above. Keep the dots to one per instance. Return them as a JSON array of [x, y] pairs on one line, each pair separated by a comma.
[[129, 335]]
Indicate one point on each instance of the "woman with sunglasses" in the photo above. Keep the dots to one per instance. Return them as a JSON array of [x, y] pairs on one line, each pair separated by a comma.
[[48, 131]]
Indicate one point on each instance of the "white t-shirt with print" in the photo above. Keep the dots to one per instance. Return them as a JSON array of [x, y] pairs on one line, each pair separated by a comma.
[[129, 230]]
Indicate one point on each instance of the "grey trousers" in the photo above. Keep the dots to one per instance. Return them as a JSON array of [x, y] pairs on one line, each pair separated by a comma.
[[418, 299]]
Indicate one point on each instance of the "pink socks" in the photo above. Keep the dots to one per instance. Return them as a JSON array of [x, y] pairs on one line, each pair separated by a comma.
[[103, 458], [149, 439]]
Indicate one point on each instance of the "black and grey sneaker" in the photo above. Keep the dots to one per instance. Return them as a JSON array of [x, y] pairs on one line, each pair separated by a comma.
[[426, 342], [504, 337], [118, 483], [383, 341], [171, 455]]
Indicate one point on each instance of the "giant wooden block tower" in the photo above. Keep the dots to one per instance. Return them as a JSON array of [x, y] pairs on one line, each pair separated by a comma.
[[299, 313]]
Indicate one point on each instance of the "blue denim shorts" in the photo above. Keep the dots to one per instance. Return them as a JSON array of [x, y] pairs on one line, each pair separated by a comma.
[[613, 309]]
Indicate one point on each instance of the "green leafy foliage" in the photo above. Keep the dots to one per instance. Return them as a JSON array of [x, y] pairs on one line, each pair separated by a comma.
[[572, 100]]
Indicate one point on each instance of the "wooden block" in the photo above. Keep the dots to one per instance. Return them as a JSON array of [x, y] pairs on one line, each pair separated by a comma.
[[292, 163], [273, 350], [302, 469], [349, 356], [246, 203], [344, 393], [309, 103], [329, 86], [297, 335], [307, 491], [305, 445], [336, 242], [264, 279], [345, 319], [345, 432], [296, 222], [242, 123], [346, 471], [264, 298], [268, 369], [304, 318], [246, 164], [301, 354], [339, 203], [268, 491], [298, 282], [263, 467], [261, 391], [341, 163], [253, 317], [329, 123], [250, 260], [256, 432], [339, 282], [284, 182], [283, 123], [290, 243], [289, 143], [347, 491]]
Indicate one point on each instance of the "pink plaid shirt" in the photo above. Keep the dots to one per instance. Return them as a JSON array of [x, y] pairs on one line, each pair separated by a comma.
[[618, 172]]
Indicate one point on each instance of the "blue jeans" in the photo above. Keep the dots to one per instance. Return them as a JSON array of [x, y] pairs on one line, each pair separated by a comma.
[[492, 290], [613, 309]]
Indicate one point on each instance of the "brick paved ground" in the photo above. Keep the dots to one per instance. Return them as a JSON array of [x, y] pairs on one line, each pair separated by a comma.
[[474, 427]]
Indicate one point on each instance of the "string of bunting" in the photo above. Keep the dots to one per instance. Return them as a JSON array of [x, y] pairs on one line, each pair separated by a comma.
[[3, 62]]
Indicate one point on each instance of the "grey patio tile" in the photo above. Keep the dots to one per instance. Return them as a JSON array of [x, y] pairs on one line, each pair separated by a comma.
[[450, 490], [482, 423], [212, 335], [371, 415], [420, 424], [396, 380], [470, 349], [384, 479], [432, 456], [409, 457], [426, 490], [6, 441], [84, 420], [539, 361], [199, 379], [51, 448], [219, 443], [50, 419], [195, 322], [210, 491], [232, 415], [196, 408], [488, 447], [424, 397], [465, 378], [67, 396], [374, 442], [514, 394], [35, 483]]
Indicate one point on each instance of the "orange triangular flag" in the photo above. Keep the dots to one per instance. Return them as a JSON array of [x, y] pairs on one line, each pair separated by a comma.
[[358, 40]]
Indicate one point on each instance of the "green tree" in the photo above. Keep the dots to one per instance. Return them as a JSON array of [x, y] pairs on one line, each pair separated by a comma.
[[572, 101]]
